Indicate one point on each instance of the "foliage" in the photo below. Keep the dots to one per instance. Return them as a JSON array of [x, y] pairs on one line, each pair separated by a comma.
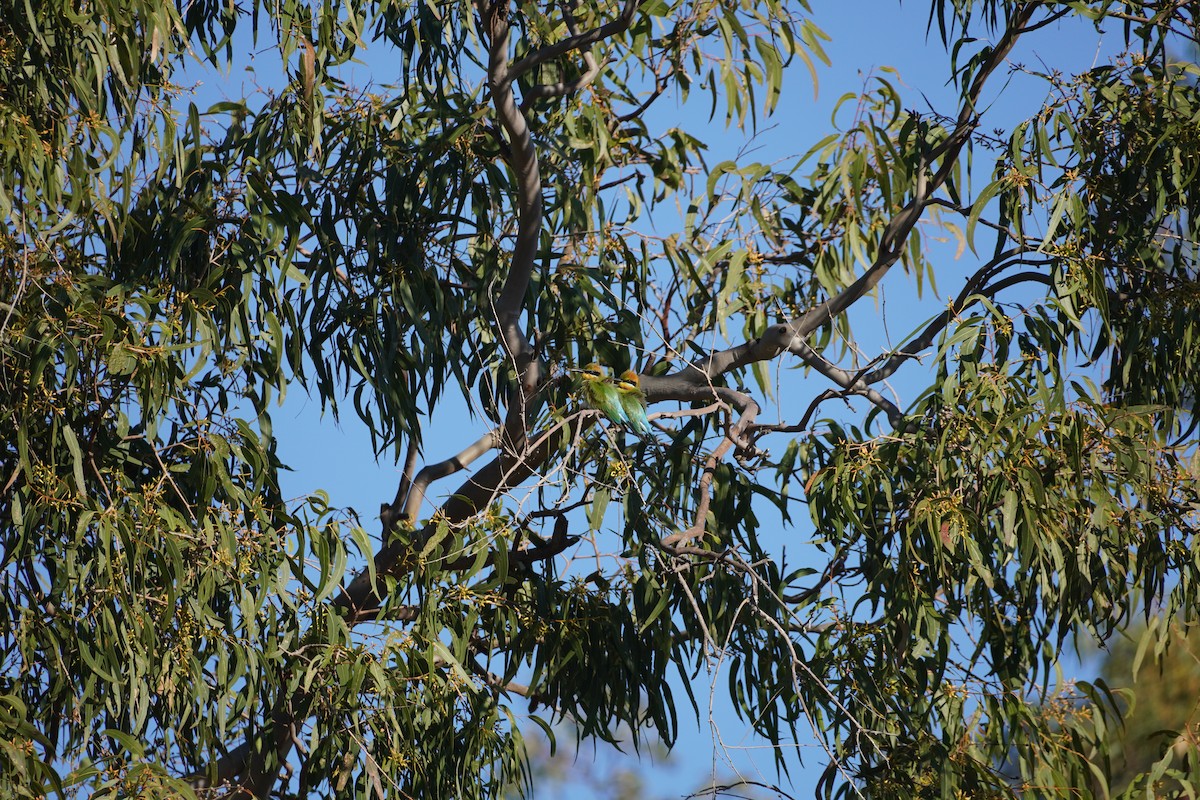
[[1159, 664], [172, 625]]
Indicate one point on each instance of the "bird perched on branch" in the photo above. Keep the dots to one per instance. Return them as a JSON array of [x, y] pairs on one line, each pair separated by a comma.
[[633, 402], [601, 394]]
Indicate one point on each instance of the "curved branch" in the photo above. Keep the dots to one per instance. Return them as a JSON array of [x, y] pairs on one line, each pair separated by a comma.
[[783, 337], [860, 383], [925, 340], [568, 87], [585, 39], [832, 571], [733, 437], [965, 211], [564, 87], [523, 161], [442, 469], [660, 86], [391, 513], [851, 383], [543, 550], [361, 599]]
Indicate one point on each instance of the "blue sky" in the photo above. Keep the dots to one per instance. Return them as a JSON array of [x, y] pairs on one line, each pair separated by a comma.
[[867, 37]]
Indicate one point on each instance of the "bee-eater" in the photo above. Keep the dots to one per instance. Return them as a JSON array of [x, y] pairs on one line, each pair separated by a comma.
[[601, 395], [633, 402]]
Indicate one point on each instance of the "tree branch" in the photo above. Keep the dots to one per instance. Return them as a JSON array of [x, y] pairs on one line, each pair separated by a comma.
[[781, 338], [851, 383], [523, 161], [585, 39], [361, 601], [925, 340], [569, 87], [391, 513], [542, 551], [446, 467], [733, 437]]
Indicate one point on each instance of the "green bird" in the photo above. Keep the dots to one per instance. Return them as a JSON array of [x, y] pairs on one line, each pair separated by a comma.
[[633, 402], [601, 395]]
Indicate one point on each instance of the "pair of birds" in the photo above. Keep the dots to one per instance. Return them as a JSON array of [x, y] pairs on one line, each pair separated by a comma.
[[619, 399]]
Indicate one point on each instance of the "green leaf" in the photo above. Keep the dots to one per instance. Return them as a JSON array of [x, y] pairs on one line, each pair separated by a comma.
[[72, 443], [598, 507]]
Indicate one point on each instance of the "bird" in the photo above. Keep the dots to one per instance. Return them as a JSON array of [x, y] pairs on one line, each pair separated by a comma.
[[633, 402], [601, 394]]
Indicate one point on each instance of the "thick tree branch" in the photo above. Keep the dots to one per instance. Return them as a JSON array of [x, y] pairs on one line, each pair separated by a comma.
[[447, 467], [524, 163], [360, 599], [565, 87], [392, 513], [680, 386], [260, 768], [523, 160], [585, 39]]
